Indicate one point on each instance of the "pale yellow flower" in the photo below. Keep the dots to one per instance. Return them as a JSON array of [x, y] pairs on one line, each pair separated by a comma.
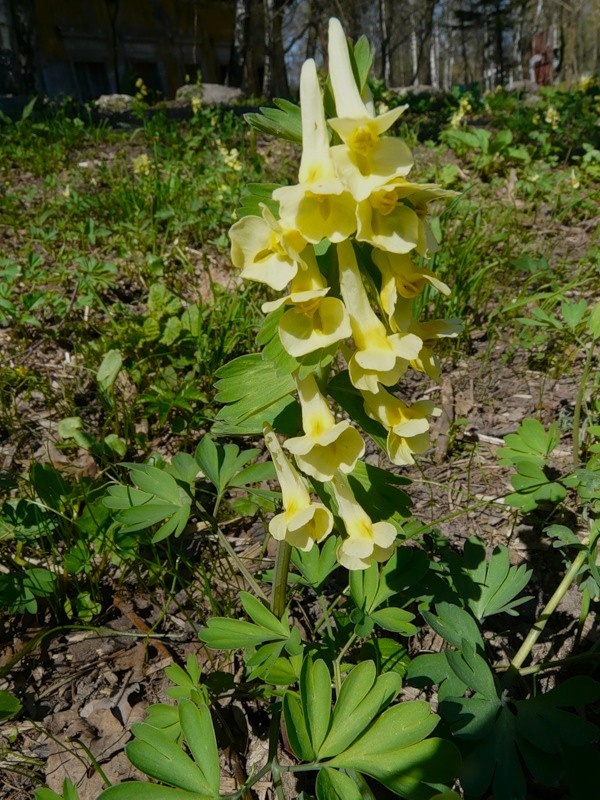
[[575, 182], [319, 206], [302, 522], [394, 217], [326, 446], [366, 541], [141, 165], [400, 278], [315, 321], [365, 160], [379, 357], [407, 426], [552, 117], [430, 332], [265, 249]]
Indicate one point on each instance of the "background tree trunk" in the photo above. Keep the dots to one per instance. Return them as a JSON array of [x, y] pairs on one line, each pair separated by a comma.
[[275, 83], [239, 46]]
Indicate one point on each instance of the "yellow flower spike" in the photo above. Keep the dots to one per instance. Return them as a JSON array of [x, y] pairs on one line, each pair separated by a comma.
[[302, 522], [319, 206], [366, 541], [401, 278], [379, 357], [326, 446], [265, 249], [408, 426]]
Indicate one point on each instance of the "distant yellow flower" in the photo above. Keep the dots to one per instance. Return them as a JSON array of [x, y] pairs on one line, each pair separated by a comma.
[[231, 158], [319, 206], [265, 249], [326, 446], [575, 182], [407, 426], [552, 117], [302, 522], [366, 541], [141, 165], [379, 357]]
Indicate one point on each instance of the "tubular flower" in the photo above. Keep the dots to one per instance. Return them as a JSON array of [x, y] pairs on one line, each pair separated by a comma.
[[365, 160], [302, 523], [315, 321], [266, 250], [393, 217], [407, 426], [379, 357], [366, 541], [319, 206], [326, 445], [400, 278]]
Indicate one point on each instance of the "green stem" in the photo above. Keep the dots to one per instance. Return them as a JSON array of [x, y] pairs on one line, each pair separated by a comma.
[[540, 624], [338, 661], [278, 597], [579, 401], [559, 662], [276, 775], [280, 578]]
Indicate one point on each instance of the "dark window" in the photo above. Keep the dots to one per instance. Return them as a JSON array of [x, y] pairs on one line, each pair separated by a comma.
[[92, 79]]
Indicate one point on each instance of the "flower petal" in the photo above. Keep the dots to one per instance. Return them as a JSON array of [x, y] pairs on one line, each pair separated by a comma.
[[304, 331]]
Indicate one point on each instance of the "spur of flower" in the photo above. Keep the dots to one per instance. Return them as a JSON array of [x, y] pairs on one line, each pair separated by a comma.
[[326, 446], [315, 321], [266, 249], [407, 426], [365, 541], [302, 522], [319, 206], [365, 159], [379, 357]]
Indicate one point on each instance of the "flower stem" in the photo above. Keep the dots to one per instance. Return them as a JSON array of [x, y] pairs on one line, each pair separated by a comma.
[[282, 565], [540, 624]]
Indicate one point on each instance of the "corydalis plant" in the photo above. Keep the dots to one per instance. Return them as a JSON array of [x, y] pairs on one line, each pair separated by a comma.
[[340, 246]]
